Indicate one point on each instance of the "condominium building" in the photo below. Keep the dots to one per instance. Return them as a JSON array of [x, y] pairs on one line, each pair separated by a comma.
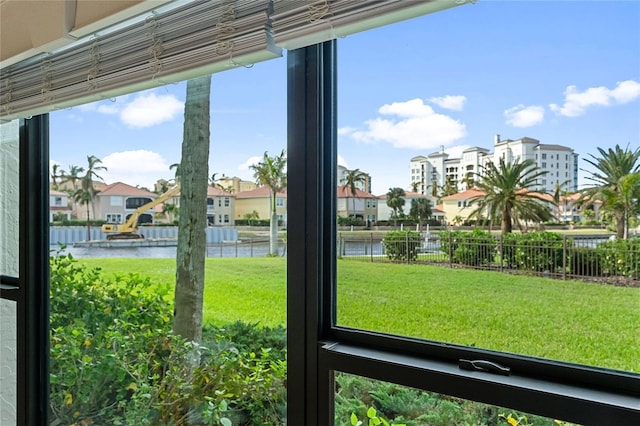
[[363, 185], [437, 170]]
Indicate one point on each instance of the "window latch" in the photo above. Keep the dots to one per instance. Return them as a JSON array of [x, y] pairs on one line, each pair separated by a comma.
[[485, 366]]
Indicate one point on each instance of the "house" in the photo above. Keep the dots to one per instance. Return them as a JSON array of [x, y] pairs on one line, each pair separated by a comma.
[[116, 202], [59, 206], [363, 205], [458, 207], [385, 212], [235, 185], [259, 200]]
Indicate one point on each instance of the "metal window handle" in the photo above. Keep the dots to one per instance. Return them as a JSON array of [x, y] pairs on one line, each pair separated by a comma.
[[485, 366]]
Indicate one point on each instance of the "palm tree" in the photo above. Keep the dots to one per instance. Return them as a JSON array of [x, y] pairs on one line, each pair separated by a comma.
[[56, 173], [449, 188], [415, 185], [73, 176], [560, 194], [351, 180], [613, 186], [192, 222], [395, 200], [271, 172], [87, 181], [176, 166], [83, 197], [508, 193], [420, 209]]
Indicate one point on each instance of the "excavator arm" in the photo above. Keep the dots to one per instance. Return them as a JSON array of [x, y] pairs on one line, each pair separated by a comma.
[[128, 229]]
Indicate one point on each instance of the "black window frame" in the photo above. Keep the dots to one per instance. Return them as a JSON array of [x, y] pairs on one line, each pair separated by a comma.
[[317, 347]]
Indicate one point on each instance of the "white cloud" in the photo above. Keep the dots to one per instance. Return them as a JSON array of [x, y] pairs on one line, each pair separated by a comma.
[[342, 162], [108, 109], [345, 130], [149, 109], [524, 116], [455, 103], [576, 103], [411, 124], [139, 167], [456, 151]]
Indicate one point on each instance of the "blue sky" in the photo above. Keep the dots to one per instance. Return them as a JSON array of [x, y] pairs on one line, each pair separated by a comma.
[[563, 72]]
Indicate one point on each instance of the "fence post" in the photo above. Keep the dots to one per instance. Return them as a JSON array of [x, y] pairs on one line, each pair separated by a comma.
[[371, 245], [564, 257], [251, 246], [450, 251], [406, 246], [501, 245], [236, 248]]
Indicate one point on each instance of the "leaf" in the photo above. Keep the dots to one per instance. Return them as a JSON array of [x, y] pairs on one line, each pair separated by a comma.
[[354, 419], [371, 412], [225, 421]]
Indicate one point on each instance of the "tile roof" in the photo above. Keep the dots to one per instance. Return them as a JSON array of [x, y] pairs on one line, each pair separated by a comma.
[[214, 191], [259, 192], [469, 193], [344, 192], [124, 189]]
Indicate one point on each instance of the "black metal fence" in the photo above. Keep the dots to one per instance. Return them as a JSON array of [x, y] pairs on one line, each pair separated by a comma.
[[594, 258]]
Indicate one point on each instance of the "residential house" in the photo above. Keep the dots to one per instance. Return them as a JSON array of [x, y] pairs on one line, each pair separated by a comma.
[[259, 200], [363, 205], [384, 211], [220, 207], [235, 185], [457, 207], [116, 202], [59, 206]]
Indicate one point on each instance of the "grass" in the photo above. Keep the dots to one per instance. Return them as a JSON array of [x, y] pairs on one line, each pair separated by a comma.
[[571, 321]]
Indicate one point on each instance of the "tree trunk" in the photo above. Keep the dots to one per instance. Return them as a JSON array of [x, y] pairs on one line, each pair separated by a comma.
[[273, 234], [88, 225], [506, 223], [620, 224], [194, 172]]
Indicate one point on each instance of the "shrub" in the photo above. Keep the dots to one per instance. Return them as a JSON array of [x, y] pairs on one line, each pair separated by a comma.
[[585, 261], [472, 248], [621, 257], [534, 251], [402, 245], [350, 221], [115, 361]]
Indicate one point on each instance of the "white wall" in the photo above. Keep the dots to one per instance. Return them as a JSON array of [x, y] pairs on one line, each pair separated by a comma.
[[9, 245]]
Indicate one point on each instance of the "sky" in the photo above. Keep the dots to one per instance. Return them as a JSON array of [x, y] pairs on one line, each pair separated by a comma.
[[562, 72]]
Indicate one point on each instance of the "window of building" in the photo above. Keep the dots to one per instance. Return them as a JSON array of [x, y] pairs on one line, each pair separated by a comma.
[[226, 218], [279, 202], [544, 156], [114, 218], [133, 203], [116, 200], [58, 201], [544, 165], [226, 201], [210, 202]]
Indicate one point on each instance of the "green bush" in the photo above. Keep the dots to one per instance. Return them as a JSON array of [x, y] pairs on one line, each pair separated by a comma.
[[471, 248], [402, 245], [115, 361], [539, 251], [350, 221], [584, 261], [620, 257]]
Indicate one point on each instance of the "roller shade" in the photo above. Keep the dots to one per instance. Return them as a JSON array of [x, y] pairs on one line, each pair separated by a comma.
[[184, 39]]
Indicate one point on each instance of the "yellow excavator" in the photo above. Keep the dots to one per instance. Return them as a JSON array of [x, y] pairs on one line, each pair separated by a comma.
[[128, 229]]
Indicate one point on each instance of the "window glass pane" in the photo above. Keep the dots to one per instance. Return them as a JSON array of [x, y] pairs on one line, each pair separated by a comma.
[[8, 362], [9, 198], [114, 358], [363, 399], [435, 126]]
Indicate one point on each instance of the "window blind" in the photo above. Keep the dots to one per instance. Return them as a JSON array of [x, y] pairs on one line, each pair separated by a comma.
[[185, 39]]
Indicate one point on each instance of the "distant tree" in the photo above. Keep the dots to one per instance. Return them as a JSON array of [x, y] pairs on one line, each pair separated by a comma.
[[271, 172], [194, 171], [57, 176], [615, 185], [254, 215], [420, 210], [395, 200], [73, 176], [170, 211], [351, 180], [560, 195], [90, 177], [507, 192], [176, 167], [449, 188], [83, 198], [415, 185]]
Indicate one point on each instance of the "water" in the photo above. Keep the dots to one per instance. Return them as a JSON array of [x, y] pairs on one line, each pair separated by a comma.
[[233, 249]]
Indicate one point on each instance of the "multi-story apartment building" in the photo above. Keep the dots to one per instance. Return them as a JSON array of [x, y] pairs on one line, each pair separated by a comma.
[[438, 169]]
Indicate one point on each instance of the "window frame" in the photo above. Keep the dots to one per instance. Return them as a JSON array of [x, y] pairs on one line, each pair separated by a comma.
[[318, 347]]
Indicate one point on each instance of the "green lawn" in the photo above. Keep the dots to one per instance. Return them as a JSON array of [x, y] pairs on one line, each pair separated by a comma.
[[565, 320]]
